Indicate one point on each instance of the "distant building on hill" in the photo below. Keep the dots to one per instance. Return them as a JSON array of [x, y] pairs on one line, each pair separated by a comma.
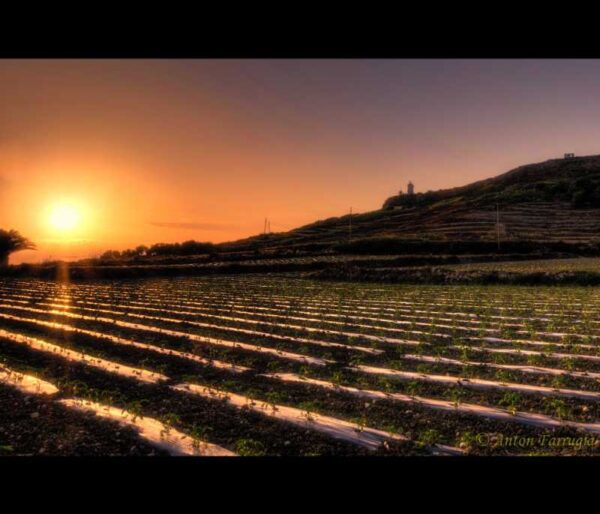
[[569, 156], [402, 200]]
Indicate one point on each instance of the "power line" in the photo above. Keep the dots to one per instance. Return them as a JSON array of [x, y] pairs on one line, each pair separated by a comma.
[[266, 227]]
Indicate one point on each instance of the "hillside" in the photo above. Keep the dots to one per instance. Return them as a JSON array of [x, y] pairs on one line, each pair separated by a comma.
[[547, 210], [553, 201]]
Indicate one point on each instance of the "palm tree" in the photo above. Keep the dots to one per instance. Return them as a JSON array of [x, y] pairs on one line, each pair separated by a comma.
[[11, 241]]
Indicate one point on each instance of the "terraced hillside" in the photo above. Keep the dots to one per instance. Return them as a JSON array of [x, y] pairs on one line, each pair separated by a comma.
[[254, 365], [556, 200]]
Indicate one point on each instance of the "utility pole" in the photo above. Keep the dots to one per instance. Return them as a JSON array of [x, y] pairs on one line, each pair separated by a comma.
[[265, 227], [269, 227], [498, 225], [350, 226]]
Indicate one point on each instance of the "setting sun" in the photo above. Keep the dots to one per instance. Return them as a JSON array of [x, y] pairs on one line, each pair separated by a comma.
[[64, 217]]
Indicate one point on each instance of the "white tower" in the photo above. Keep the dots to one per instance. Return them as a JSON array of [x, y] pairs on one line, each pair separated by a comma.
[[410, 189]]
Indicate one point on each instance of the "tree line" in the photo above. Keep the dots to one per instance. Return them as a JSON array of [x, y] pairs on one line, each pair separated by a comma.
[[161, 249]]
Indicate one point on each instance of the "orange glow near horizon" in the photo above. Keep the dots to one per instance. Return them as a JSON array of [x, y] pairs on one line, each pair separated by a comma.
[[108, 154]]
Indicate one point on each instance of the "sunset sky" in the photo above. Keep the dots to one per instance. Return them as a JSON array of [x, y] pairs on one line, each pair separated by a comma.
[[98, 155]]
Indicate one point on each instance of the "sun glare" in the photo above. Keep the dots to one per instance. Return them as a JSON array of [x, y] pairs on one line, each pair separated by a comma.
[[64, 218]]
